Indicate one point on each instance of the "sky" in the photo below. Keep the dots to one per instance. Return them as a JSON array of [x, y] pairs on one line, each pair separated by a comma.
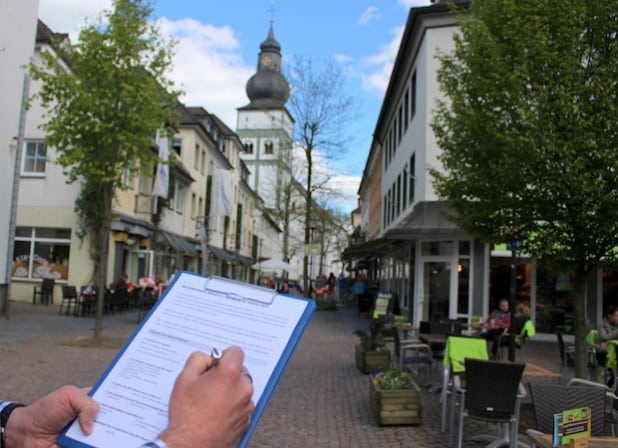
[[218, 43]]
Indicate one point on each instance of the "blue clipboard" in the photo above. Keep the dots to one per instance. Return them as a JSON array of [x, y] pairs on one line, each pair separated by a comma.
[[216, 288]]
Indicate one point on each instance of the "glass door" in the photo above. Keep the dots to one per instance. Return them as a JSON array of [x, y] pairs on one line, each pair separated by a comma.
[[436, 290], [140, 265]]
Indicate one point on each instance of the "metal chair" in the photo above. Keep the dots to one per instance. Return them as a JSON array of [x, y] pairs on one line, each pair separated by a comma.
[[69, 296], [412, 352], [45, 291], [567, 354], [492, 393]]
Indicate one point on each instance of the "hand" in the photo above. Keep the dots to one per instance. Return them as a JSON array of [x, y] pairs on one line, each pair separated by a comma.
[[39, 424], [210, 406]]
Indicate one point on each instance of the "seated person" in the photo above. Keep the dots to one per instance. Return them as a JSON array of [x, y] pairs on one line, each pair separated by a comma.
[[497, 323], [608, 330], [521, 317]]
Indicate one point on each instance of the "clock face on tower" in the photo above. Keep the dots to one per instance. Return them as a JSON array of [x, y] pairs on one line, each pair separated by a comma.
[[266, 61]]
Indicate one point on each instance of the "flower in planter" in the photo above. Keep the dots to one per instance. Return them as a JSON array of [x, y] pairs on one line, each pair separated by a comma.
[[391, 379]]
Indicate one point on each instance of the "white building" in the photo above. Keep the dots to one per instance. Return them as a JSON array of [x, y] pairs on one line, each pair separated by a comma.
[[17, 31]]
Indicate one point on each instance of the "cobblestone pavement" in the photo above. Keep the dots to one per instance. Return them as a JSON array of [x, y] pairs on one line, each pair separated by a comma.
[[321, 400]]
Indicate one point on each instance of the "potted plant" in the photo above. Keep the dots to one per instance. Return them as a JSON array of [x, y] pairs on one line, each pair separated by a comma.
[[371, 353], [395, 397]]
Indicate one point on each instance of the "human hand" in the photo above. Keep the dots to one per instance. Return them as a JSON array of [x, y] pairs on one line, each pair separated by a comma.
[[38, 425], [210, 406]]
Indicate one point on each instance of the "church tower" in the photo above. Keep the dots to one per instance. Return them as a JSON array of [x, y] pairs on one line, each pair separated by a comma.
[[265, 126]]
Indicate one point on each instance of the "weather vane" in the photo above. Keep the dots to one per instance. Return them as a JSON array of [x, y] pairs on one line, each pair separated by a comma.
[[272, 11]]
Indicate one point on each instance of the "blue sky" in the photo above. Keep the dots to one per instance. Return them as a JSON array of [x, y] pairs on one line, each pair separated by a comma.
[[218, 43]]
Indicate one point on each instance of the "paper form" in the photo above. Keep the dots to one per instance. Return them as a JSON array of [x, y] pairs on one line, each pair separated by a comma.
[[196, 313]]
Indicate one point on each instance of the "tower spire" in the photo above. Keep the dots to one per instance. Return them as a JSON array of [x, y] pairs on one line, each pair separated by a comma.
[[268, 87]]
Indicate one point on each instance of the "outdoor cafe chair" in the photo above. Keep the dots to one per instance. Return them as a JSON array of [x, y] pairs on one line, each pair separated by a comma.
[[44, 291], [551, 398], [69, 297], [457, 349], [610, 399], [492, 393], [412, 352]]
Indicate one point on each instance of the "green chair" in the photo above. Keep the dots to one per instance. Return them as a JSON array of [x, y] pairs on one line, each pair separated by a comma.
[[457, 349], [527, 331], [596, 355]]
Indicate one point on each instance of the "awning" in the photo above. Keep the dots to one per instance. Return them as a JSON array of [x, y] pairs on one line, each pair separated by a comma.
[[247, 261], [220, 253], [179, 243], [374, 247], [131, 225], [427, 219]]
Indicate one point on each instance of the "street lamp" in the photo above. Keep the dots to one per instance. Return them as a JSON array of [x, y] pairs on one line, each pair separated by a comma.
[[313, 223]]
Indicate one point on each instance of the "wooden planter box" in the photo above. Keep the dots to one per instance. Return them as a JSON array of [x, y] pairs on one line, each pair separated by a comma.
[[396, 407], [369, 361]]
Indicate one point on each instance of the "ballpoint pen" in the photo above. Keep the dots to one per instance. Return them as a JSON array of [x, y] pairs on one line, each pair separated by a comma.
[[216, 355]]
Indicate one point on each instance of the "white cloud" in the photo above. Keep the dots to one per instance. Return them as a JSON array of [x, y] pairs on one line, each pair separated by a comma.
[[413, 3], [347, 187], [368, 15], [380, 65], [69, 16], [208, 67]]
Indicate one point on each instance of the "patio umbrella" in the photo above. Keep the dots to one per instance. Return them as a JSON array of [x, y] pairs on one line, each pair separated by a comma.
[[272, 265]]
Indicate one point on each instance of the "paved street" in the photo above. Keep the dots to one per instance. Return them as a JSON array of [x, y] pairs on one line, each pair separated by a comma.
[[321, 401]]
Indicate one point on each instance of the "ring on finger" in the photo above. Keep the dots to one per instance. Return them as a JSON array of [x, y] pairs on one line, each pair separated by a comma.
[[246, 373]]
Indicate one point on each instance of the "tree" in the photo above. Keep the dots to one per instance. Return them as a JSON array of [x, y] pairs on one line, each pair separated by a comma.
[[104, 112], [322, 109], [529, 133]]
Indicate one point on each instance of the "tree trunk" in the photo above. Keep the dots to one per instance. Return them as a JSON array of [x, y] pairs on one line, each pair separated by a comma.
[[100, 264], [580, 323]]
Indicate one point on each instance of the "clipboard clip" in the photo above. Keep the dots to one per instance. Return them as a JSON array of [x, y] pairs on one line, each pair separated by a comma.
[[242, 292]]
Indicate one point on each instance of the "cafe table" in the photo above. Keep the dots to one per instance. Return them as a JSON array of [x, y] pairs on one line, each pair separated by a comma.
[[543, 440]]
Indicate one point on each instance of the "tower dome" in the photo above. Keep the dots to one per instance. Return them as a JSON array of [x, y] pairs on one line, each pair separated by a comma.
[[268, 88]]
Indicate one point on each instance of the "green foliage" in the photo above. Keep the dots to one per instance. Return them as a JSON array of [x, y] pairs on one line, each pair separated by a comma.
[[105, 98], [372, 340], [392, 379], [326, 305], [529, 131]]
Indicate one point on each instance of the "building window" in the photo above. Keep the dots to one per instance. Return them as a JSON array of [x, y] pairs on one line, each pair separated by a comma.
[[399, 124], [41, 252], [249, 148], [35, 157], [269, 148], [180, 198], [196, 157], [398, 200], [177, 145], [193, 205], [406, 109], [203, 162], [145, 182], [411, 178], [413, 96]]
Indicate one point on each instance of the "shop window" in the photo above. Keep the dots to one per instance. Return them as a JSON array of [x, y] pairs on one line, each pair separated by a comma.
[[437, 248], [41, 253]]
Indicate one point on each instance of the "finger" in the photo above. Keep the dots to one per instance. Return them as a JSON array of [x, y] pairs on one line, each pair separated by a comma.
[[233, 355], [197, 363], [85, 408]]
